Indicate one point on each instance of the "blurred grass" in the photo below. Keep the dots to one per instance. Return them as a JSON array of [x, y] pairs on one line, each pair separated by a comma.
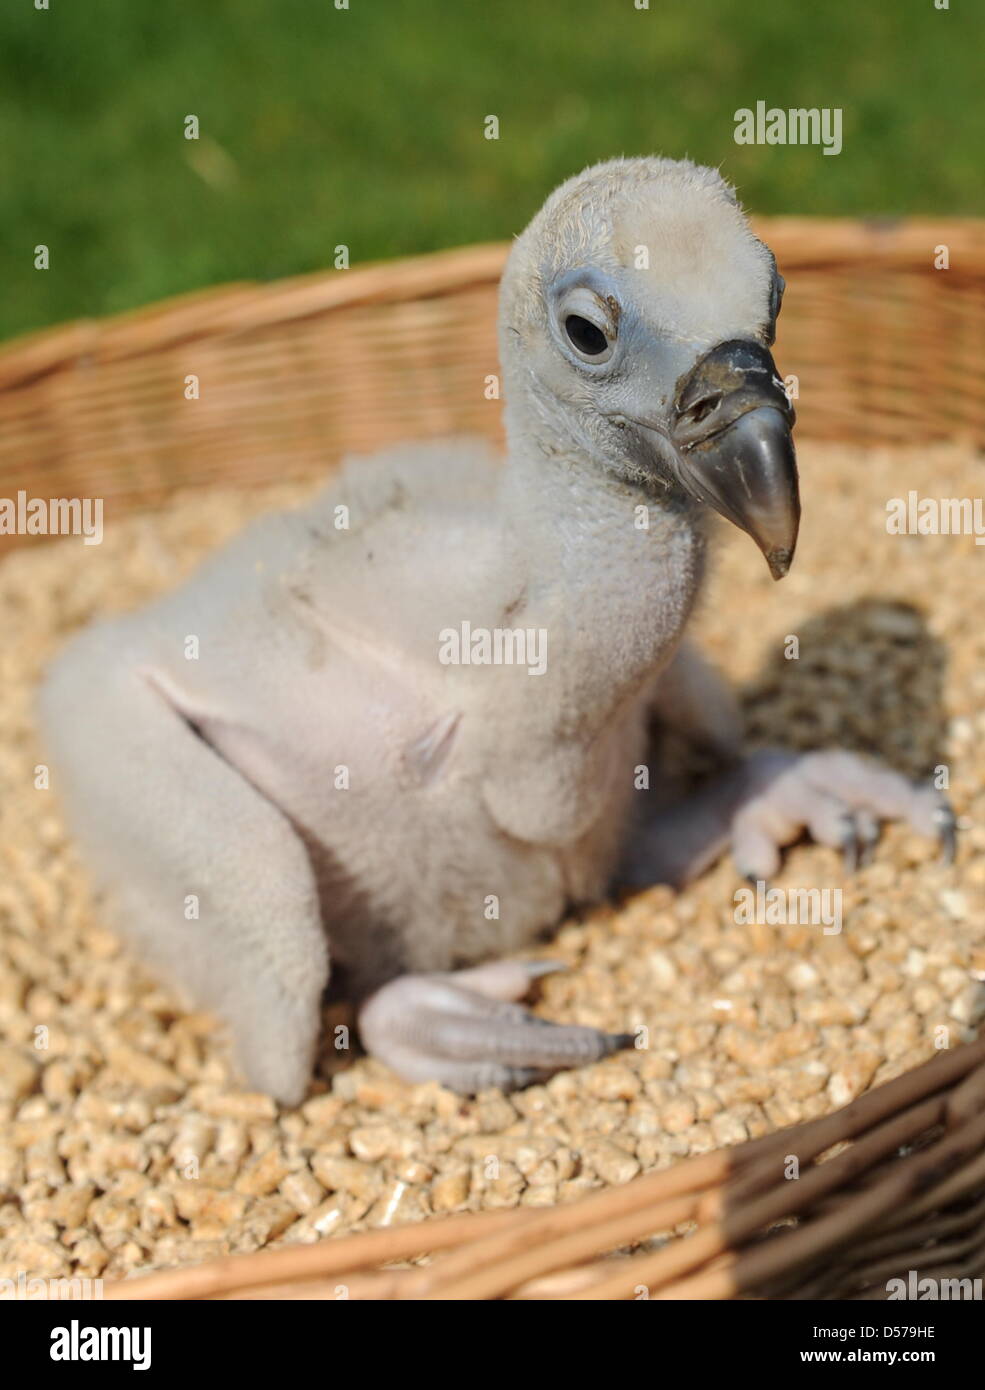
[[365, 126]]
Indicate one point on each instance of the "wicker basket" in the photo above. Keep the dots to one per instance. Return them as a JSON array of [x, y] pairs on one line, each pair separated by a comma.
[[292, 376], [899, 1195]]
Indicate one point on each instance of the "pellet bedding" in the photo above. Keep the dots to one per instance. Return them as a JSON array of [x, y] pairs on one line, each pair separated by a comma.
[[125, 1142]]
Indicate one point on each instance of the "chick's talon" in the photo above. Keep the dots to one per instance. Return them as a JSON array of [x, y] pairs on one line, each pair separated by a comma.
[[465, 1030]]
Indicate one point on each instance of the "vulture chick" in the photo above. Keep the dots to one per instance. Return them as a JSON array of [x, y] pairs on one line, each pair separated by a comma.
[[410, 737]]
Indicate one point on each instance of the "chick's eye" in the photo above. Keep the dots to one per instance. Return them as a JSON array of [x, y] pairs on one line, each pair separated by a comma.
[[585, 335]]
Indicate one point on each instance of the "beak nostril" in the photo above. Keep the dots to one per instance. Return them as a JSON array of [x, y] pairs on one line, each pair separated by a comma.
[[703, 408]]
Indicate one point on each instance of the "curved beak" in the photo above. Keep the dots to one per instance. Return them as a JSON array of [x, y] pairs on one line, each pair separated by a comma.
[[731, 432]]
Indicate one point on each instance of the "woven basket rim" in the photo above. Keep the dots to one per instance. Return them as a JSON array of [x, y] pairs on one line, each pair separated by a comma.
[[889, 1181], [242, 307]]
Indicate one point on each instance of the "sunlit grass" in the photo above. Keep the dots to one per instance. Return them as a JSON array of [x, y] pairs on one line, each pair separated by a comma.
[[365, 126]]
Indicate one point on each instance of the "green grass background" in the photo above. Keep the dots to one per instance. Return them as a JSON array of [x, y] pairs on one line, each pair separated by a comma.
[[365, 126]]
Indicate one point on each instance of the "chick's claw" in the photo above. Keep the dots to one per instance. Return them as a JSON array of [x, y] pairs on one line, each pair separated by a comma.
[[840, 798], [947, 830], [464, 1030]]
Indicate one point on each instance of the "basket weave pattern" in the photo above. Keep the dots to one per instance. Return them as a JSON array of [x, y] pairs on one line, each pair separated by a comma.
[[892, 1187], [294, 375]]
